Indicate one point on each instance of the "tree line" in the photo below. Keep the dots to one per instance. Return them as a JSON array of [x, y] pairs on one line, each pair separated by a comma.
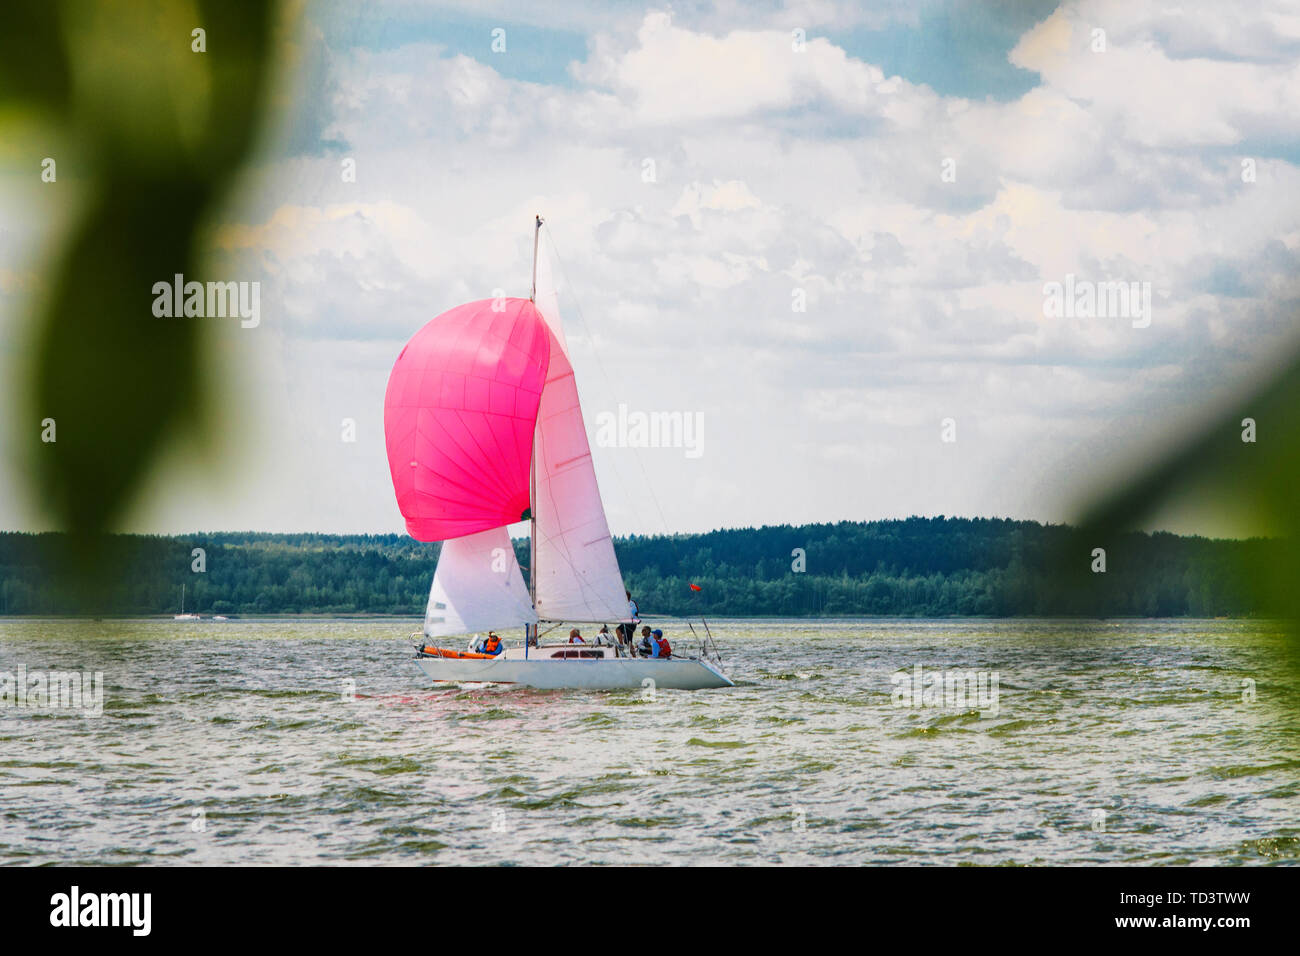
[[925, 567]]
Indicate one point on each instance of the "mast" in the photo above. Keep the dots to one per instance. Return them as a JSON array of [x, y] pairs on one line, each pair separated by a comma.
[[532, 482], [537, 234], [583, 581]]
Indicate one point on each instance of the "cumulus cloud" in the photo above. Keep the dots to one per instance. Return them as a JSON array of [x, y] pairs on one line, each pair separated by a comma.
[[1133, 65], [823, 258]]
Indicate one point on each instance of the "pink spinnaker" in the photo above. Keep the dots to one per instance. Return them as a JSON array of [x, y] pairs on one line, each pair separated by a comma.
[[459, 416]]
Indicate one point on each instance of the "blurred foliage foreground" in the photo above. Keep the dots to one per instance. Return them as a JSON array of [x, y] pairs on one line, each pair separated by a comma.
[[157, 103]]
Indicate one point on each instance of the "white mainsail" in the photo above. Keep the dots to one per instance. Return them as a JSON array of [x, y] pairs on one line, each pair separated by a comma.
[[477, 586], [576, 572]]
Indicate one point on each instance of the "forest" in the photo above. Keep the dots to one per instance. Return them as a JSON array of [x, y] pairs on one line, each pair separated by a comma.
[[918, 567]]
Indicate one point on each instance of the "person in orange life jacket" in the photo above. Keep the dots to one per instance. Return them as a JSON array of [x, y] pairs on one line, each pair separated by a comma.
[[490, 644], [575, 637]]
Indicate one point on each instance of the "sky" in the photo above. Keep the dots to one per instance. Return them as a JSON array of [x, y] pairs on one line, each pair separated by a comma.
[[822, 230]]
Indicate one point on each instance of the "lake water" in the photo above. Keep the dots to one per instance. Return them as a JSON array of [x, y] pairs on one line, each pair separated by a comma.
[[242, 742]]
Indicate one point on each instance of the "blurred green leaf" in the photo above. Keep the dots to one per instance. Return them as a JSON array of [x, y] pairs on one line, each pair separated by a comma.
[[33, 60], [1217, 462], [165, 130]]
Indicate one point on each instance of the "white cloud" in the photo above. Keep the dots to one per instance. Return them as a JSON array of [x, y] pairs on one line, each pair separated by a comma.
[[1155, 97], [676, 76]]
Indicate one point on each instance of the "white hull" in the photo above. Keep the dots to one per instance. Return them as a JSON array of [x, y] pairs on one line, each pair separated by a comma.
[[604, 674]]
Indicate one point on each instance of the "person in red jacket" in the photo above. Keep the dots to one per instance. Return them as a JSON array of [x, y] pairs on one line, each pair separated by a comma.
[[658, 645]]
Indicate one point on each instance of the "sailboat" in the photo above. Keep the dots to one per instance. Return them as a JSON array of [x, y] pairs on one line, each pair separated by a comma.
[[484, 429], [183, 616]]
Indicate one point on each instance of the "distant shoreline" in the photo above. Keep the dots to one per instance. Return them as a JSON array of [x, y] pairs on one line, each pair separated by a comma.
[[938, 568]]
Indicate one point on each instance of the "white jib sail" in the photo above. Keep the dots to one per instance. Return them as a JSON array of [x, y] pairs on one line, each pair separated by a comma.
[[477, 587], [577, 575]]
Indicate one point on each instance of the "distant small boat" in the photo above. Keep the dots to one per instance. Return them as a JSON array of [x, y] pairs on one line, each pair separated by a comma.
[[220, 617], [183, 616], [483, 430]]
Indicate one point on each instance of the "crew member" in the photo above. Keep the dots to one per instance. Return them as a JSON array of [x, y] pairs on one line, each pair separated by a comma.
[[490, 645], [628, 631]]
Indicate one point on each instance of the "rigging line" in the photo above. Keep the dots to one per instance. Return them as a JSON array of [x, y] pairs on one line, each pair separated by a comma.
[[636, 452]]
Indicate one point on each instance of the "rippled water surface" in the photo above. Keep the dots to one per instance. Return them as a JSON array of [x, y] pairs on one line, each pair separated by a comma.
[[239, 742]]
